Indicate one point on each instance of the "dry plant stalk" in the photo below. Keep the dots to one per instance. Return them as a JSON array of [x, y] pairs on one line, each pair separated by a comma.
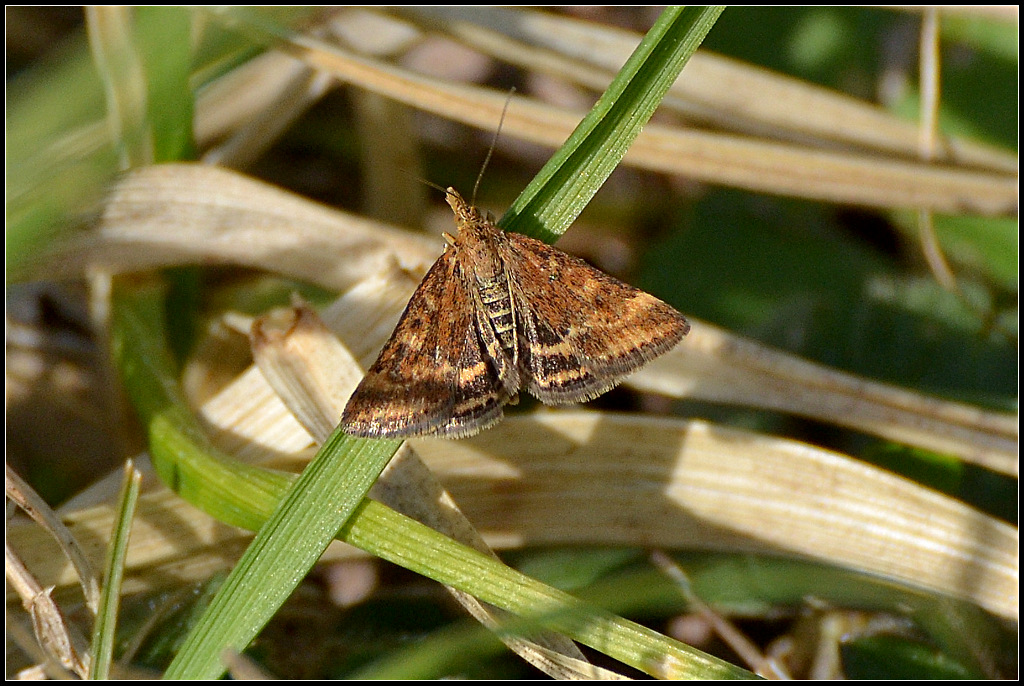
[[714, 89], [832, 175]]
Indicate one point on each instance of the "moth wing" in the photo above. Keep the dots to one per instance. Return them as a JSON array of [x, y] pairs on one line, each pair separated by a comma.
[[479, 393], [432, 377], [580, 330]]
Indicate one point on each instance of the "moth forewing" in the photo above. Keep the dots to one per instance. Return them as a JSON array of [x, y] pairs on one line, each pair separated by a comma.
[[478, 395], [581, 330], [415, 386]]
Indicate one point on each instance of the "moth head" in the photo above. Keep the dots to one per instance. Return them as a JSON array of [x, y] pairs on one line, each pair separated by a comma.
[[464, 212]]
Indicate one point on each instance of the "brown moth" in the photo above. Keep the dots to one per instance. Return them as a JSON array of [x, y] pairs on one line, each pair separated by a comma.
[[496, 314]]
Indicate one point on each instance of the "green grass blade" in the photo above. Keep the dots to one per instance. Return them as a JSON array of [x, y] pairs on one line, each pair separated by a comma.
[[285, 549], [164, 39], [452, 563], [106, 616], [234, 492], [564, 186], [230, 491]]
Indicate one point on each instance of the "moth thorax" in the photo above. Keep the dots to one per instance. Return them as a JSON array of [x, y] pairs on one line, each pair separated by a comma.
[[497, 302]]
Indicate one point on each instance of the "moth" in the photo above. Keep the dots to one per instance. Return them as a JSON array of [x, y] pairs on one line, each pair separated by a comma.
[[499, 313]]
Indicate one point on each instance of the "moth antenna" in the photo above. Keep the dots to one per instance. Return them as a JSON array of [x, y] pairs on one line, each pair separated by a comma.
[[494, 141], [425, 182]]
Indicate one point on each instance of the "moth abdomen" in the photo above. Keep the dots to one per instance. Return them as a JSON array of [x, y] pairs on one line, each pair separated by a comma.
[[497, 304]]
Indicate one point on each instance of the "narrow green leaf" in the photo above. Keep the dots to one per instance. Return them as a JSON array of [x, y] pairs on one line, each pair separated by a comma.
[[454, 564], [231, 491], [897, 657], [110, 596], [164, 37], [564, 186], [329, 488], [287, 546]]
